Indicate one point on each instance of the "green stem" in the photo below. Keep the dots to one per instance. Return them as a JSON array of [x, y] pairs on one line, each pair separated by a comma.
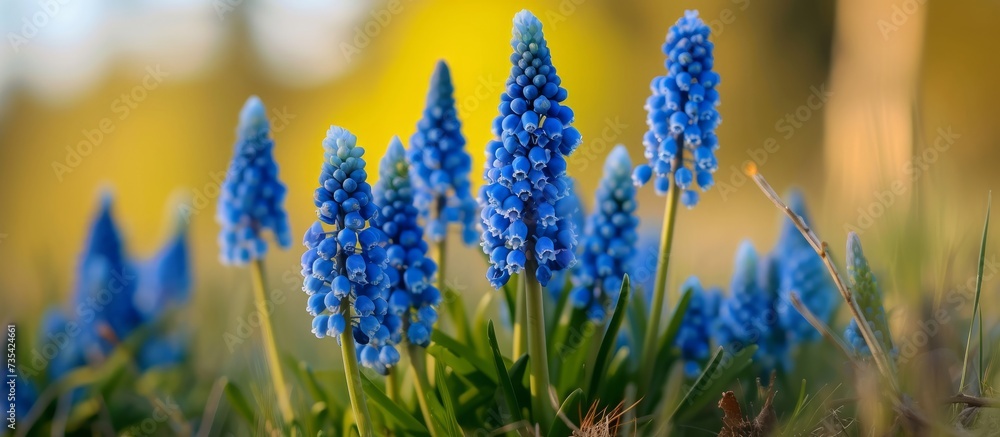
[[659, 290], [353, 374], [537, 351], [270, 347], [519, 334], [451, 301], [418, 369], [392, 392]]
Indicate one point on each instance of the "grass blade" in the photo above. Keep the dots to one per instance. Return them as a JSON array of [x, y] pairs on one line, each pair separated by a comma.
[[449, 403], [570, 408], [466, 353], [519, 378], [975, 306], [665, 350], [712, 379], [239, 403], [508, 387], [610, 339], [393, 413]]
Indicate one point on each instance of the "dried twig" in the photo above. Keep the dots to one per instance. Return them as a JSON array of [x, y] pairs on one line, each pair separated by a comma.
[[973, 401], [212, 407], [822, 328], [878, 354]]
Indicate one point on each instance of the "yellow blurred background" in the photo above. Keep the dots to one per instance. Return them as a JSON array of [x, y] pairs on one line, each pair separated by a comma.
[[366, 66]]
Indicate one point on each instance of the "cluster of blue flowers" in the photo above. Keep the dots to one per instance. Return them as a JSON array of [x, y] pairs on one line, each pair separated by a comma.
[[413, 296], [346, 269], [114, 297], [251, 198], [694, 338], [682, 114], [758, 309], [526, 165], [107, 280], [869, 297], [609, 239], [571, 208], [440, 164], [747, 316]]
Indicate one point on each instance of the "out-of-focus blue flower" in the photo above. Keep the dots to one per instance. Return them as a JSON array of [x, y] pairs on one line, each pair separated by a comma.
[[251, 198], [441, 165], [413, 296], [570, 207], [694, 337], [162, 349], [164, 285], [25, 398], [107, 280], [609, 239], [681, 113], [801, 270], [165, 280], [869, 297], [63, 349], [346, 268], [747, 316], [526, 165]]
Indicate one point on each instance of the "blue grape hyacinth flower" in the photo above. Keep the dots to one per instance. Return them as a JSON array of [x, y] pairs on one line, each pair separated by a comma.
[[346, 262], [571, 208], [65, 349], [609, 239], [413, 298], [165, 285], [747, 316], [694, 338], [869, 297], [526, 165], [441, 165], [251, 198], [165, 280], [801, 270], [682, 116], [107, 280]]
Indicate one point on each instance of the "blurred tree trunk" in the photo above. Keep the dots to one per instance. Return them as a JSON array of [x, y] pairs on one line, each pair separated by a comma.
[[869, 118]]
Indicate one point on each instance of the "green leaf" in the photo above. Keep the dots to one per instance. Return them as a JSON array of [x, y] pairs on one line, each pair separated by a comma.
[[481, 318], [558, 309], [473, 399], [505, 384], [570, 408], [975, 306], [674, 326], [459, 364], [449, 403], [801, 402], [665, 351], [712, 380], [637, 318], [466, 354], [617, 376], [610, 339], [239, 403], [570, 354], [456, 307], [518, 377], [393, 412]]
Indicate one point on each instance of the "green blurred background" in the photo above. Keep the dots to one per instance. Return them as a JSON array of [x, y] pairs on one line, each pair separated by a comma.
[[898, 72]]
